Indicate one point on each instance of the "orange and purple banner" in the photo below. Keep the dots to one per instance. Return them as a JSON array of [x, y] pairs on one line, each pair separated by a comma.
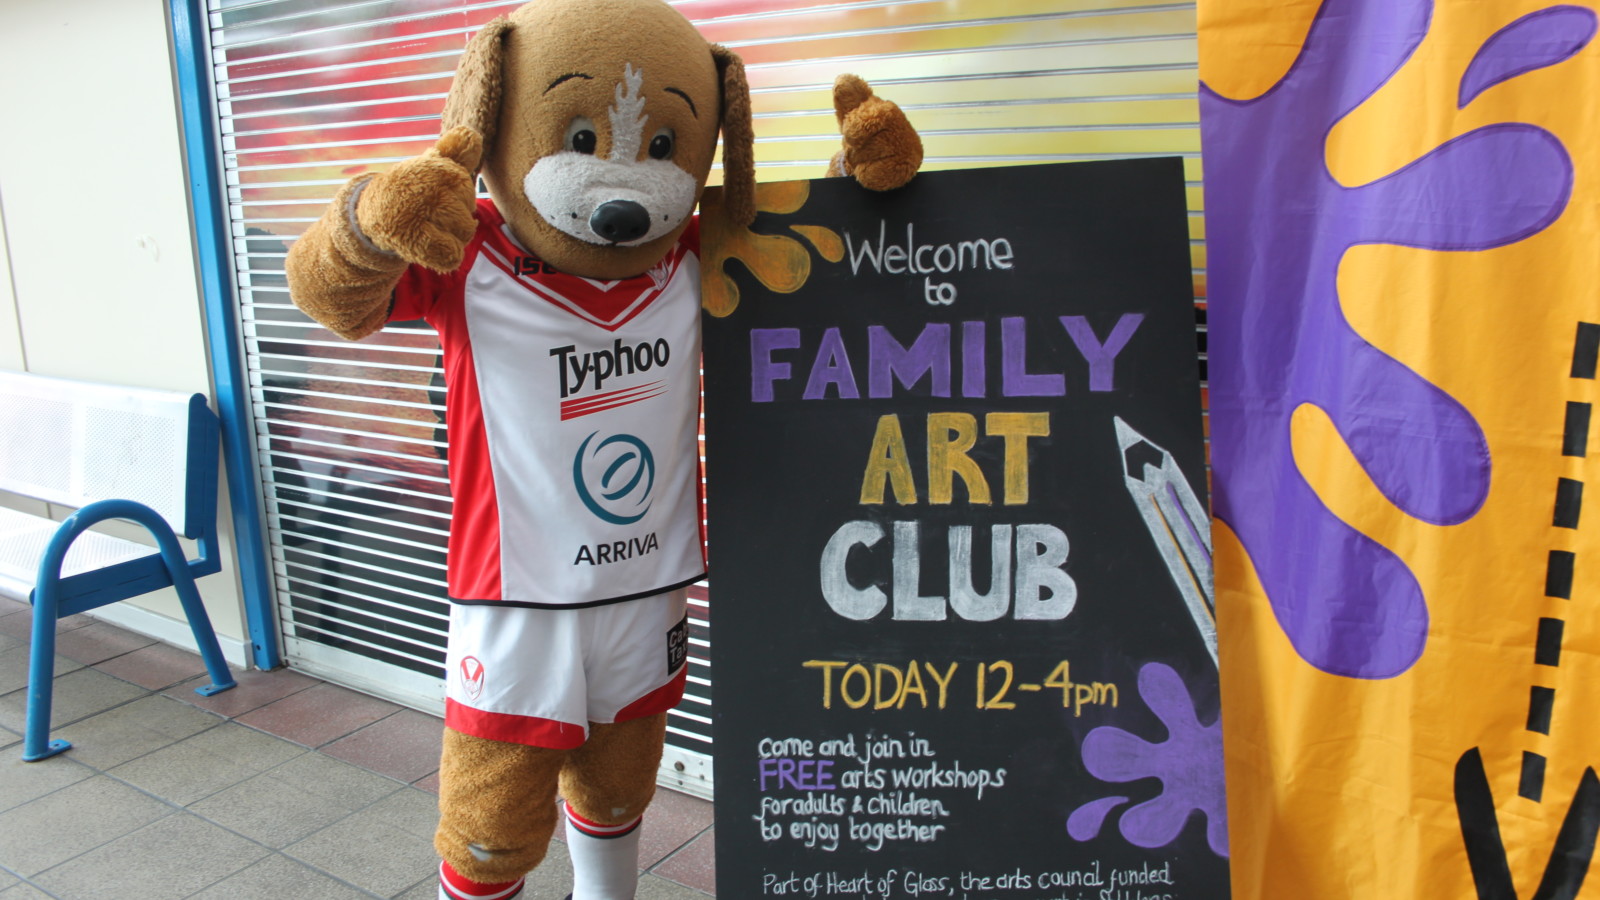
[[1404, 266]]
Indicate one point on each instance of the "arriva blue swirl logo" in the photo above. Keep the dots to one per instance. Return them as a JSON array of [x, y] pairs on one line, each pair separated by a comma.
[[625, 477]]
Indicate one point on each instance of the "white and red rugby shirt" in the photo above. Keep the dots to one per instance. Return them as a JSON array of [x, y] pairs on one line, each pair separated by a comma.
[[573, 410]]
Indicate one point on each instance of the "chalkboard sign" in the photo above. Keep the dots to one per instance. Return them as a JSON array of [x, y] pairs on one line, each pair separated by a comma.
[[963, 642]]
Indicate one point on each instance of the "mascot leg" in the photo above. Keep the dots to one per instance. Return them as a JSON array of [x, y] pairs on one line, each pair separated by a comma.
[[497, 811], [607, 783]]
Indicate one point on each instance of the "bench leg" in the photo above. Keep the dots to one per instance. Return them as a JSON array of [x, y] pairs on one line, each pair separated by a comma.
[[36, 743], [205, 636]]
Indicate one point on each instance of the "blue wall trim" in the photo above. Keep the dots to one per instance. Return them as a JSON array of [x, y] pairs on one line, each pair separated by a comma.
[[227, 367]]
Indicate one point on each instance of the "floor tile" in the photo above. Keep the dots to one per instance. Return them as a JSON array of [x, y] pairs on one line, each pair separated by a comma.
[[553, 877], [295, 800], [71, 821], [267, 810], [14, 667], [210, 761], [339, 782], [281, 878], [166, 860], [428, 889], [693, 866], [672, 820], [409, 810], [319, 714], [368, 853], [21, 782], [654, 887], [9, 606], [405, 745], [20, 624], [99, 642], [7, 879], [131, 731], [7, 642], [429, 783], [77, 695], [255, 690], [155, 667], [24, 892]]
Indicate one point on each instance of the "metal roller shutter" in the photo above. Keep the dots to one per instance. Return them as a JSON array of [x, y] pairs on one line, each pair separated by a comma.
[[311, 93]]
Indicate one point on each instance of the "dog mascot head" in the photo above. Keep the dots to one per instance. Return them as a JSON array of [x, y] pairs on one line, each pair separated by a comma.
[[599, 121]]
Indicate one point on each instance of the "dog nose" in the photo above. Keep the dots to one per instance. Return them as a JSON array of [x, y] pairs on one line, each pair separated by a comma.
[[619, 221]]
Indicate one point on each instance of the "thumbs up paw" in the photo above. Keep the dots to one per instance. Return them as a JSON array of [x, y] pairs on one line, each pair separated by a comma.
[[422, 209], [880, 149]]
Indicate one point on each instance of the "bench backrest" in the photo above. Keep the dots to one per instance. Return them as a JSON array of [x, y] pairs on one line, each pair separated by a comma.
[[74, 442]]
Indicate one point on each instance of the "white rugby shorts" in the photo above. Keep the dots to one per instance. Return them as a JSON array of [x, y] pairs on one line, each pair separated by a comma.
[[540, 676]]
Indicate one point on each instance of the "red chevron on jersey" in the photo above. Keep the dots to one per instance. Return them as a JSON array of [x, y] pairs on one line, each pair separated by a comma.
[[608, 304]]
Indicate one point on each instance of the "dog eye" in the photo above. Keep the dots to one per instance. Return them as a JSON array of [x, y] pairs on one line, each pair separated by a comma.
[[581, 137], [661, 145]]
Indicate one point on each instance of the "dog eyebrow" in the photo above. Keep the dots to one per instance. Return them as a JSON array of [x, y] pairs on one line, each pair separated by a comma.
[[686, 98], [567, 77]]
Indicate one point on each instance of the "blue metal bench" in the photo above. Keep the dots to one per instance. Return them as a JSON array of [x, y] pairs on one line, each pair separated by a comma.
[[149, 457]]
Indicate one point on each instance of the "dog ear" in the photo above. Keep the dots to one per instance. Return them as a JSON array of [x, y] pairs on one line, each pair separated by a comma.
[[738, 138], [474, 99]]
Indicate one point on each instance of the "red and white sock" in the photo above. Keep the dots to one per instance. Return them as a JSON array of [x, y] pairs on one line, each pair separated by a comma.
[[454, 886], [605, 858]]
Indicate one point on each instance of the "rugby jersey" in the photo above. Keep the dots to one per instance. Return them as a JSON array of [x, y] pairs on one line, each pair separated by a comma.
[[573, 414]]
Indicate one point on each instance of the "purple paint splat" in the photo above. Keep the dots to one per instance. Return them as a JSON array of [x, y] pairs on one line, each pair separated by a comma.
[[1536, 40], [1086, 821], [1279, 226], [1188, 762]]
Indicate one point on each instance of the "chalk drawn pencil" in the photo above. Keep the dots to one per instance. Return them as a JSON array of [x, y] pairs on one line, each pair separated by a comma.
[[1177, 521]]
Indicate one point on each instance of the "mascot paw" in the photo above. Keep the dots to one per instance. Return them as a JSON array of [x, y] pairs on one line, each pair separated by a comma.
[[881, 150], [422, 209]]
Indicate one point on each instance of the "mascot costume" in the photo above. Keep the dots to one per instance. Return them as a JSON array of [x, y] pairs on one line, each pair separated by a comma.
[[568, 311]]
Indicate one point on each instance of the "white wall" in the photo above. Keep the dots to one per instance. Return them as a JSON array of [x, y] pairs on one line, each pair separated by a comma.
[[99, 277], [10, 328]]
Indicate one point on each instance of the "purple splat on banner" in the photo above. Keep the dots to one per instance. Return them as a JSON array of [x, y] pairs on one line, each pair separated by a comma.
[[1536, 40], [1278, 227], [1188, 762]]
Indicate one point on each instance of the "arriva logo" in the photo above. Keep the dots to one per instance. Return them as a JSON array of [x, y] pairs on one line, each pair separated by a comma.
[[616, 478]]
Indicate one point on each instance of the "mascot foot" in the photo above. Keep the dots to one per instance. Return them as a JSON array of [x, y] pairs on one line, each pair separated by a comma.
[[605, 858], [454, 886]]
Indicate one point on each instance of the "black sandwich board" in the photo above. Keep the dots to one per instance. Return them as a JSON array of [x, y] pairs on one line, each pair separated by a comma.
[[961, 616]]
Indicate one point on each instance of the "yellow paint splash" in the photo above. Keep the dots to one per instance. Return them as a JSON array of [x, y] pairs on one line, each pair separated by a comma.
[[782, 264]]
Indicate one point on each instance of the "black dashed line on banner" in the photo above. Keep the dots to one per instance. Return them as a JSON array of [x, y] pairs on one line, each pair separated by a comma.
[[1532, 784], [1561, 564], [1575, 437], [1547, 651], [1541, 706], [1586, 352], [1569, 503], [1558, 574]]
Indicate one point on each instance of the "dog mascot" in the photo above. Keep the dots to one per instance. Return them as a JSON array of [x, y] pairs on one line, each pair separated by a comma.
[[568, 311]]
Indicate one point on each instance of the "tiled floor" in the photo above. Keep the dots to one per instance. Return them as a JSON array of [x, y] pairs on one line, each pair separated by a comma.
[[285, 787]]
